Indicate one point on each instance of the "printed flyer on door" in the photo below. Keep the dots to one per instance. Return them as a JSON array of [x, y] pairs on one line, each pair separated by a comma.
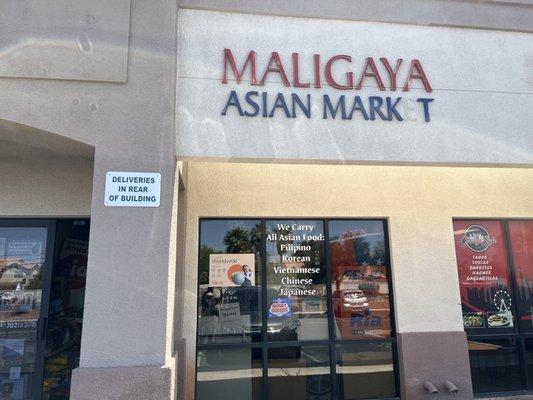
[[231, 270], [484, 277]]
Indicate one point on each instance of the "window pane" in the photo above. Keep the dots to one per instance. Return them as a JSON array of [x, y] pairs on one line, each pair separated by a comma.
[[229, 279], [296, 279], [299, 373], [529, 362], [366, 370], [484, 278], [22, 257], [65, 311], [522, 246], [494, 364], [229, 374], [361, 301]]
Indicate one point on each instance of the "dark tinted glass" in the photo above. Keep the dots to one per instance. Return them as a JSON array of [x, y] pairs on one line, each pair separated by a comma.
[[529, 362], [361, 300], [299, 373], [229, 374], [235, 300], [365, 370], [229, 279], [495, 365], [296, 280], [65, 312], [521, 233]]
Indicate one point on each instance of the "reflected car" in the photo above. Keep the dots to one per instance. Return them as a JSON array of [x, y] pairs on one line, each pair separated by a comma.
[[350, 302], [283, 328]]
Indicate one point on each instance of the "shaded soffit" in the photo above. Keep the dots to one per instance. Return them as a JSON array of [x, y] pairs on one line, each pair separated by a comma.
[[20, 141]]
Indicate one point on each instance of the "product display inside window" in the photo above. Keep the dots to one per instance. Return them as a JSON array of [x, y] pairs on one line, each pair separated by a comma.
[[495, 273], [327, 286]]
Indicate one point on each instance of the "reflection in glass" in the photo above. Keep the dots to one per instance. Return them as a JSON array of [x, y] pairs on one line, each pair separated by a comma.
[[295, 304], [229, 374], [365, 370], [230, 281], [22, 256], [65, 311], [299, 373], [361, 302], [521, 233], [296, 280], [494, 365]]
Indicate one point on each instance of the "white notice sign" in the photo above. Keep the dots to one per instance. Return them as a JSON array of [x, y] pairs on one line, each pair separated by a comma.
[[132, 189]]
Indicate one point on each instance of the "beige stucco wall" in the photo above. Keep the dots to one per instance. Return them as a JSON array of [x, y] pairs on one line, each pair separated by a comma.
[[419, 203], [45, 187]]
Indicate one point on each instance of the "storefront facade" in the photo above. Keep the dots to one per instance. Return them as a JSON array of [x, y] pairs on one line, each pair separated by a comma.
[[300, 201]]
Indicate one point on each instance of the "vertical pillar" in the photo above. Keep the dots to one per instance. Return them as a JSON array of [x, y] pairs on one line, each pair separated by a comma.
[[126, 349], [431, 342]]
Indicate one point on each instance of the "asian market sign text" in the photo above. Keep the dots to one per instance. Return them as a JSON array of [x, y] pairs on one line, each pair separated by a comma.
[[346, 107]]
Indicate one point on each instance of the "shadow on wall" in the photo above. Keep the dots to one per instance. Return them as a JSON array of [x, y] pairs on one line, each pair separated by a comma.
[[18, 141], [44, 174]]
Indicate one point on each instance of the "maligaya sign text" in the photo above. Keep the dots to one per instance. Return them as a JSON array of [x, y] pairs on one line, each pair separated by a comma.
[[253, 103]]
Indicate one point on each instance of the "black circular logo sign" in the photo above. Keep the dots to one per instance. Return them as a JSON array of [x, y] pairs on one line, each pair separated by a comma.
[[477, 238]]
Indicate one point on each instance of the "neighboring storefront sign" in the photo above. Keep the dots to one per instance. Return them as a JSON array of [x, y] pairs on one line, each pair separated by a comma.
[[484, 277], [132, 189], [228, 270]]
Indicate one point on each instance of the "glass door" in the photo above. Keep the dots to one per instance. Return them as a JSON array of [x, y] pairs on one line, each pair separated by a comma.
[[26, 248], [297, 309]]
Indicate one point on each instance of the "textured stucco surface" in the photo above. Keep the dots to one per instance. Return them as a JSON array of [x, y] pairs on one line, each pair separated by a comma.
[[126, 383], [33, 185], [131, 128], [104, 74], [65, 39], [482, 81], [436, 357], [419, 203], [497, 14]]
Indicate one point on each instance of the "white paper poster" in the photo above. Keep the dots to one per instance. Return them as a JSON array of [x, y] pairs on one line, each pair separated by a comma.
[[229, 313], [24, 248]]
